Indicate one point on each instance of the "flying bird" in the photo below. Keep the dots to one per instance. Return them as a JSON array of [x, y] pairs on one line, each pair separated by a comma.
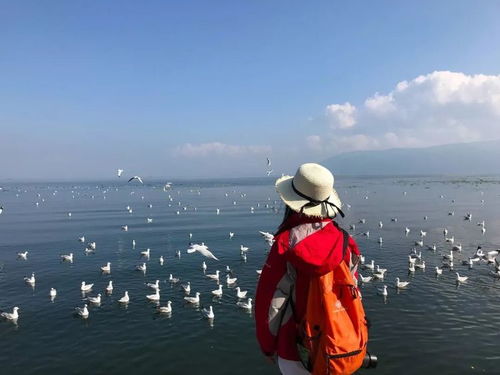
[[136, 178], [119, 172], [202, 249]]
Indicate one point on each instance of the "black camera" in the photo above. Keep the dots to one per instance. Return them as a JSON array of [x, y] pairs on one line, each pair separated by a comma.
[[370, 361]]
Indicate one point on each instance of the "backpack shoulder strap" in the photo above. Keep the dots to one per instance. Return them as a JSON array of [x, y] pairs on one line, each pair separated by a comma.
[[345, 236], [345, 245]]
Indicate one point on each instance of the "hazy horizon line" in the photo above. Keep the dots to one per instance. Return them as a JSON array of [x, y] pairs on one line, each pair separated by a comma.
[[163, 180]]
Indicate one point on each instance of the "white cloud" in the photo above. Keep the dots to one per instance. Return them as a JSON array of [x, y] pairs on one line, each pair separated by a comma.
[[341, 116], [380, 104], [437, 108], [203, 150]]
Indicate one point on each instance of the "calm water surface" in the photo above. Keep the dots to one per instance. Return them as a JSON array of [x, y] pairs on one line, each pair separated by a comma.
[[434, 326]]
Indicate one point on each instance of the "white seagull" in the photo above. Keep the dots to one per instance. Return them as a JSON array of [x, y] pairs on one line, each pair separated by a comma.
[[202, 249], [194, 300], [109, 288], [370, 266], [421, 265], [365, 279], [94, 300], [86, 287], [186, 287], [240, 293], [383, 291], [125, 298], [106, 268], [230, 280], [245, 305], [67, 257], [214, 276], [13, 316], [154, 297], [461, 279], [172, 279], [165, 309], [82, 312], [401, 284], [136, 178], [209, 313], [411, 267], [119, 172], [23, 255], [142, 267], [217, 292], [30, 280], [155, 285], [268, 237]]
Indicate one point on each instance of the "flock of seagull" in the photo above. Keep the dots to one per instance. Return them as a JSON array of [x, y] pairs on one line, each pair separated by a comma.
[[416, 261], [242, 300], [452, 252]]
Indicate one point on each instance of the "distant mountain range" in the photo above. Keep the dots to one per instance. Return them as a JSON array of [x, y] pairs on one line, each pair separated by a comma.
[[476, 158]]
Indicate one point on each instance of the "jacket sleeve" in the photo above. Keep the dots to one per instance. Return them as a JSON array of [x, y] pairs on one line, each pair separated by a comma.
[[272, 272]]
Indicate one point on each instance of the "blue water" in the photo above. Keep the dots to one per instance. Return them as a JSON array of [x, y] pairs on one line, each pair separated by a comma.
[[433, 326]]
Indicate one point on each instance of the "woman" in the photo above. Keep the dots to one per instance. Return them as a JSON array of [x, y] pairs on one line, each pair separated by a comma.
[[308, 243]]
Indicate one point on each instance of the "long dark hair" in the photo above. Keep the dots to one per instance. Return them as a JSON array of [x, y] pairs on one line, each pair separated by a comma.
[[288, 212]]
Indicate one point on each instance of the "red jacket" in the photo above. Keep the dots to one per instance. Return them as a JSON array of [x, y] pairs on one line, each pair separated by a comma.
[[304, 247]]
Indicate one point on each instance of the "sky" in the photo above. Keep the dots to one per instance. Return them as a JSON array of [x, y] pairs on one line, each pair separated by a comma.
[[188, 89]]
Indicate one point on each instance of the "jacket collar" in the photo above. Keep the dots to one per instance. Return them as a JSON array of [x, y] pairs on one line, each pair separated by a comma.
[[297, 219]]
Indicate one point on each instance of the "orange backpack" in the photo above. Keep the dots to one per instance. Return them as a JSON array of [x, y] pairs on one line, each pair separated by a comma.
[[333, 334]]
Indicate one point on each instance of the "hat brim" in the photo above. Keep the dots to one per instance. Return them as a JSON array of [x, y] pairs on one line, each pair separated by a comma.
[[296, 202]]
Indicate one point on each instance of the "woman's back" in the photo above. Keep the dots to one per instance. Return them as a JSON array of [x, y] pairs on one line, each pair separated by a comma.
[[304, 247]]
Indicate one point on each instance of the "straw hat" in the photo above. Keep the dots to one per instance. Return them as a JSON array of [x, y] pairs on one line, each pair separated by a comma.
[[310, 191]]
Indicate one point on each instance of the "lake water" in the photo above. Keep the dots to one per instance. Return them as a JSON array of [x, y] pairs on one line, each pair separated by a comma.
[[433, 326]]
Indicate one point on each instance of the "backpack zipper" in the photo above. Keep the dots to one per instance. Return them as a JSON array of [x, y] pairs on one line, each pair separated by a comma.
[[343, 355]]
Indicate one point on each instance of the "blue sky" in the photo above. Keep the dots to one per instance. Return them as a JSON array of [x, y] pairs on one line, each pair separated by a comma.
[[91, 86]]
